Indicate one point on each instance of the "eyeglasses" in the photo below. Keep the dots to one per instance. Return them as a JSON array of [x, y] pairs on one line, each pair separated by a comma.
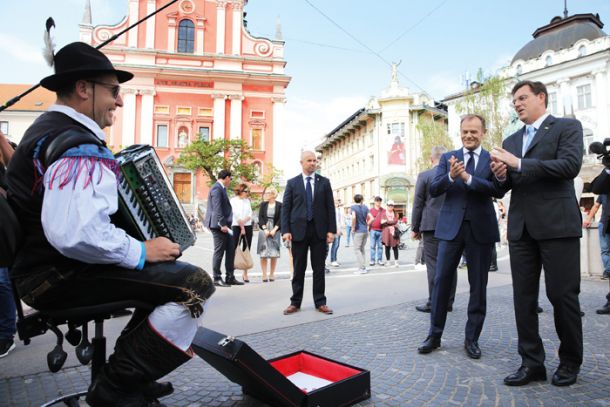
[[114, 89], [521, 98]]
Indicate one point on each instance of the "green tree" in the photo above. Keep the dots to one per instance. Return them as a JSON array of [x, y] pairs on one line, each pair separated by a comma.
[[433, 133], [487, 99], [213, 156]]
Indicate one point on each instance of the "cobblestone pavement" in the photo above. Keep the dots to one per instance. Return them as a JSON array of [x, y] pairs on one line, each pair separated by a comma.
[[385, 341]]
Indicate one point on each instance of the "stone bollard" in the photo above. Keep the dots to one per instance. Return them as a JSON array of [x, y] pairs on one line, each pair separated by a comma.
[[590, 255]]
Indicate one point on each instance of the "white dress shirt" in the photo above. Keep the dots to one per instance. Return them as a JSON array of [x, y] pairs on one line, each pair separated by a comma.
[[76, 218], [242, 209], [476, 155], [312, 181], [536, 125]]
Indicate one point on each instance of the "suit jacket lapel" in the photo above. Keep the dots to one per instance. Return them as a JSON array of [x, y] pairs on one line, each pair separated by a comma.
[[483, 162], [544, 128], [519, 142], [316, 189]]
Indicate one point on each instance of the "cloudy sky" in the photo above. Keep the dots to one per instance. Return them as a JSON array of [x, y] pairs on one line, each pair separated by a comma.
[[338, 52]]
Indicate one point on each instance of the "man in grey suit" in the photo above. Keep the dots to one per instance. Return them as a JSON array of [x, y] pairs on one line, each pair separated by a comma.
[[423, 222], [218, 218], [539, 163]]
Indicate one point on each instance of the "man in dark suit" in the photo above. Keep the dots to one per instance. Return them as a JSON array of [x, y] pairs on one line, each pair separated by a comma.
[[539, 163], [601, 185], [308, 221], [423, 222], [467, 223], [218, 218]]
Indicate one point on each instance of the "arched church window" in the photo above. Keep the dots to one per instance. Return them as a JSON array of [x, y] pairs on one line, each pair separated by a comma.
[[548, 61], [186, 36]]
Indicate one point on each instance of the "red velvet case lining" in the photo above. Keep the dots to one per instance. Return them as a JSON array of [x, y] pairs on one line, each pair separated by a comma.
[[315, 366]]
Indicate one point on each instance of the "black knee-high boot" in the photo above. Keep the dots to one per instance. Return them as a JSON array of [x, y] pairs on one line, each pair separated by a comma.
[[140, 357]]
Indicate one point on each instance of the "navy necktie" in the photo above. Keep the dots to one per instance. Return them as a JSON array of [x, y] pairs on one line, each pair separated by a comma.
[[470, 163], [309, 199]]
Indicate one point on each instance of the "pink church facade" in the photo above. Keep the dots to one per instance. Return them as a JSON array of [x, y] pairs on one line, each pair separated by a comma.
[[198, 73]]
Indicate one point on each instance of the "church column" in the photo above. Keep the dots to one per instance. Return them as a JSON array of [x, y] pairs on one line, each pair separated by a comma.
[[129, 117], [199, 39], [219, 116], [278, 130], [601, 104], [150, 24], [132, 36], [564, 103], [220, 27], [238, 9], [236, 116], [146, 118], [171, 34]]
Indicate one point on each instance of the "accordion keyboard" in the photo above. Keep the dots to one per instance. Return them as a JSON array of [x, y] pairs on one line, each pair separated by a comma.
[[148, 204]]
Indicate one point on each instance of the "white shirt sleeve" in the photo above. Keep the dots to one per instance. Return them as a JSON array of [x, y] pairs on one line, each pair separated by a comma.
[[76, 219]]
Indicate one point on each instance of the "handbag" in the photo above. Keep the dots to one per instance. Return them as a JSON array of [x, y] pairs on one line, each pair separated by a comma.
[[243, 258], [397, 233]]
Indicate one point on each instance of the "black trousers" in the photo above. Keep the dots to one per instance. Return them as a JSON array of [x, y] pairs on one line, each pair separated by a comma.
[[317, 248], [430, 253], [478, 257], [223, 244], [560, 259], [88, 285], [248, 239]]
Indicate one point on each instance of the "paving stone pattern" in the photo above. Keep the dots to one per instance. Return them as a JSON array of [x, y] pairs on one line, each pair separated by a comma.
[[385, 342]]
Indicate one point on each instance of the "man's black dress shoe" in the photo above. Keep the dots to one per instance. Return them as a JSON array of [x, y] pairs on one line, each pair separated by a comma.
[[472, 349], [219, 283], [539, 309], [424, 308], [605, 309], [565, 375], [233, 281], [429, 345], [525, 375]]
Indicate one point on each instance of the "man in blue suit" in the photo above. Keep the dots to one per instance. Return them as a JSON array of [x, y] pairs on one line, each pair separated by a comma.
[[467, 222], [218, 218], [308, 222]]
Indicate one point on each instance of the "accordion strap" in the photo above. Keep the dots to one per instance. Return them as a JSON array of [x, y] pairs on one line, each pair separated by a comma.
[[72, 137]]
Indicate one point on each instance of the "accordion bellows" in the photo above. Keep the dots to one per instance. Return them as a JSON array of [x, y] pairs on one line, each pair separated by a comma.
[[148, 205]]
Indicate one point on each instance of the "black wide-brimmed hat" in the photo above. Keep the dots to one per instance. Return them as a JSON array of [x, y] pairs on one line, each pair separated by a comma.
[[80, 61]]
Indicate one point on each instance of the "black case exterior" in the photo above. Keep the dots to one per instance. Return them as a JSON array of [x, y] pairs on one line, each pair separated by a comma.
[[242, 365]]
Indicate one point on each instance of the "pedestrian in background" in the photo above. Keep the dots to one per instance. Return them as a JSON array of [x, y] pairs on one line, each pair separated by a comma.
[[337, 241], [268, 248], [374, 223], [360, 213], [604, 238], [347, 220], [7, 302], [423, 222], [242, 221], [389, 238], [219, 218]]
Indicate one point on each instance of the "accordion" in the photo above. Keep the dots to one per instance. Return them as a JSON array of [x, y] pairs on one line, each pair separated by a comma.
[[148, 206]]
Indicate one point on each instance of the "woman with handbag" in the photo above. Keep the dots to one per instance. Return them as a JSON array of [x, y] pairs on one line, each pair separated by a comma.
[[269, 235], [390, 236], [242, 222]]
